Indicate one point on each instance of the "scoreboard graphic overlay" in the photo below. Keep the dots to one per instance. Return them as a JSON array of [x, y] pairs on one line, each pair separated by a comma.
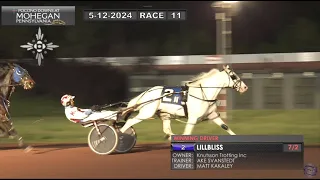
[[134, 15], [37, 15], [194, 152]]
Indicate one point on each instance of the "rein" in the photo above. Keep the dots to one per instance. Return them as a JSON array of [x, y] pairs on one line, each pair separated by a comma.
[[114, 104]]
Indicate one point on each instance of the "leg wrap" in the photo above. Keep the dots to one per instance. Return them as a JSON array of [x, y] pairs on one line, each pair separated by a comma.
[[225, 127], [164, 116]]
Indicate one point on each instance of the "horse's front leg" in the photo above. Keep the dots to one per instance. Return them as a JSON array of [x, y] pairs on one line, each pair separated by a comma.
[[192, 121], [13, 134], [8, 131], [165, 117], [217, 120]]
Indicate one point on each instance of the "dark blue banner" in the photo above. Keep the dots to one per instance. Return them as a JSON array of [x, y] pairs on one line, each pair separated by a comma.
[[182, 147]]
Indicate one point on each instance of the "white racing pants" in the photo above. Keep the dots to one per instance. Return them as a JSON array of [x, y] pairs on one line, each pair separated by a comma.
[[101, 115]]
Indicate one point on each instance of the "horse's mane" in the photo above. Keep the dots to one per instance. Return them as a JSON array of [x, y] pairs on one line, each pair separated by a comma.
[[5, 79], [204, 75], [4, 68]]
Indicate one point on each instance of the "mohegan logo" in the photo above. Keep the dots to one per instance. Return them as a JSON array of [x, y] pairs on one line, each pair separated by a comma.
[[39, 46], [36, 15]]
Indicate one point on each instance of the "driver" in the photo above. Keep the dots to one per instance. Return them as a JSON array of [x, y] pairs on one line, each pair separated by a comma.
[[78, 115]]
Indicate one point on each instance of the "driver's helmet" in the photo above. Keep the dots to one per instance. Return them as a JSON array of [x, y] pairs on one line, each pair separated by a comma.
[[65, 100]]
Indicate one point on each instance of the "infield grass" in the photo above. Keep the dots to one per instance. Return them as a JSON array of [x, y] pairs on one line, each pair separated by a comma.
[[43, 121]]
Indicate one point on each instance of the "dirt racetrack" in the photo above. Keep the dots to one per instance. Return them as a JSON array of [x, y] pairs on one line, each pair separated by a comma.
[[145, 161]]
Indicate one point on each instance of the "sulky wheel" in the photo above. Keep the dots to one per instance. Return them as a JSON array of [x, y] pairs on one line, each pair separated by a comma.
[[105, 143], [127, 140]]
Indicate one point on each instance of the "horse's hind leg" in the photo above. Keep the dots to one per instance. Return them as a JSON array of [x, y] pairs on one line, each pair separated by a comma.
[[146, 112], [130, 122], [165, 117], [14, 135]]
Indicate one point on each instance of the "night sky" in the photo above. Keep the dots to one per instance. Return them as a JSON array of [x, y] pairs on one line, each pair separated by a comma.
[[262, 21], [255, 22]]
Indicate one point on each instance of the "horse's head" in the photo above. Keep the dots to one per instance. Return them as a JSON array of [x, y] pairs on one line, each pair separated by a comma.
[[234, 80], [20, 76]]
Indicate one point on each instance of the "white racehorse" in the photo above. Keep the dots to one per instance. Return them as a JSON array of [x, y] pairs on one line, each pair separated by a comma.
[[201, 95]]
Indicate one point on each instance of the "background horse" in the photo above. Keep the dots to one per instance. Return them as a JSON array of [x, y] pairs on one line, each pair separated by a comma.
[[11, 75], [196, 101]]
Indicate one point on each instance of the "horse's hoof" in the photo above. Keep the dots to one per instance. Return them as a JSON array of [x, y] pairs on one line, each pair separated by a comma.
[[166, 137], [28, 149], [20, 143]]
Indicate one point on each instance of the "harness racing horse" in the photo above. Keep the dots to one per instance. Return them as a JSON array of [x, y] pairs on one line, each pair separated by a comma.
[[11, 75], [196, 101]]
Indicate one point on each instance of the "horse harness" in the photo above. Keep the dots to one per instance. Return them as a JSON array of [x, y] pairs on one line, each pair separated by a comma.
[[184, 98], [185, 92]]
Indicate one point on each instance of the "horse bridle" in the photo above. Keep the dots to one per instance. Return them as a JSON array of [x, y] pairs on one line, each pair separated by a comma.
[[16, 84], [236, 81]]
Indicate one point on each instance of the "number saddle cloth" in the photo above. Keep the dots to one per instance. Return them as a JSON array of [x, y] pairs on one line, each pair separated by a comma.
[[177, 95]]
